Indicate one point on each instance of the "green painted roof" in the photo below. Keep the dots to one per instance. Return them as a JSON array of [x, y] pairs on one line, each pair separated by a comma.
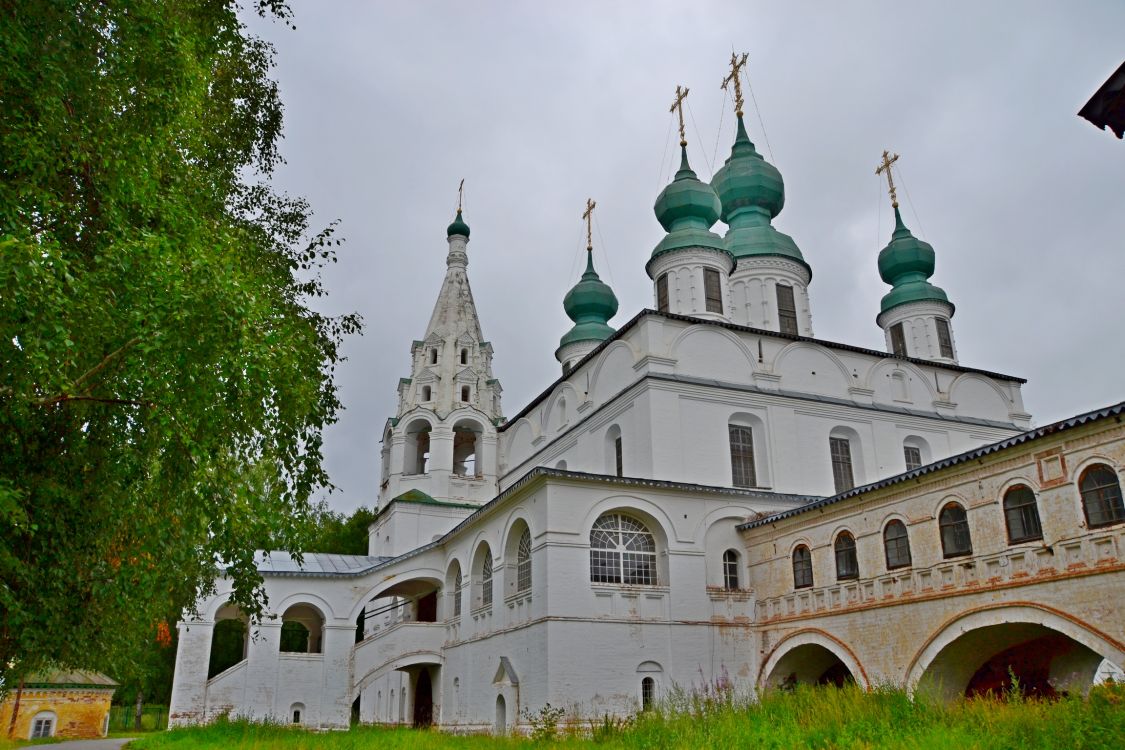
[[752, 193], [458, 226], [906, 263], [687, 208], [590, 304]]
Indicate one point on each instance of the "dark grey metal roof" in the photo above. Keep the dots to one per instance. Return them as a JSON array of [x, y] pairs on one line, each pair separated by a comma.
[[315, 564], [756, 331], [1024, 437]]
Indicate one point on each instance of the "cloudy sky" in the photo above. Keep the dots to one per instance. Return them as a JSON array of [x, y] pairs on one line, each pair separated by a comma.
[[539, 106]]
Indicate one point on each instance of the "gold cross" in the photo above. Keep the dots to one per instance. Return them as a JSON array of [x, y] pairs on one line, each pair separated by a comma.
[[678, 105], [885, 166], [735, 67], [460, 194], [588, 215]]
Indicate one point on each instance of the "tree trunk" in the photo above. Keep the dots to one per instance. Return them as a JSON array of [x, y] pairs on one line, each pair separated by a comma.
[[137, 713], [15, 709]]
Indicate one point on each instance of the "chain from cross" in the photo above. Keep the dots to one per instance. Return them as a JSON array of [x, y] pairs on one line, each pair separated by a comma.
[[460, 194], [588, 215], [885, 166], [736, 65], [678, 107]]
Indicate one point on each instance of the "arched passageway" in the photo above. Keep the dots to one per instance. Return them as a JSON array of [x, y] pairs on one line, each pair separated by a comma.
[[809, 664], [992, 658]]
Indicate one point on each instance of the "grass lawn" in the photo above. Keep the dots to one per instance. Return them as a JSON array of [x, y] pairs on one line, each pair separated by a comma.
[[807, 718]]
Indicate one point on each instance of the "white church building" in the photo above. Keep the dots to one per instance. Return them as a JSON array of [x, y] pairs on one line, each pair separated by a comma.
[[674, 509]]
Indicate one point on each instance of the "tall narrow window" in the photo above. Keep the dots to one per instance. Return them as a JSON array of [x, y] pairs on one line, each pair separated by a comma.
[[847, 564], [786, 309], [662, 293], [622, 550], [802, 568], [841, 449], [648, 693], [898, 340], [618, 464], [486, 581], [465, 390], [458, 583], [712, 290], [464, 356], [730, 570], [913, 455], [742, 456], [523, 563], [433, 356], [954, 527], [1101, 496], [1021, 515], [897, 545], [426, 392], [945, 341]]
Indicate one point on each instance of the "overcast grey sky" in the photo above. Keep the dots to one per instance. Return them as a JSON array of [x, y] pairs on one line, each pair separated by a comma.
[[539, 106]]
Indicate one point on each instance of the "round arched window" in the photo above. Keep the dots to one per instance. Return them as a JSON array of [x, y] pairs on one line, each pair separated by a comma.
[[622, 550]]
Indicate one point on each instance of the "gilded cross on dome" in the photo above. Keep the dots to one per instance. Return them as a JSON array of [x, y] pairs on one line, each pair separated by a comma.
[[588, 215], [736, 65], [678, 107], [885, 166]]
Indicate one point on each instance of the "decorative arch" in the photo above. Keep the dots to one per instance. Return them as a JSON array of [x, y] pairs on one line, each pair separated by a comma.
[[730, 360], [790, 350], [871, 380], [415, 581], [616, 359], [413, 659], [308, 598], [718, 534], [965, 383], [811, 660], [652, 514], [564, 395], [517, 442], [995, 618]]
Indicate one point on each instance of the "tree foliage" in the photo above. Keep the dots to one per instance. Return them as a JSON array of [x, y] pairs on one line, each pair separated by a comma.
[[338, 532], [164, 378]]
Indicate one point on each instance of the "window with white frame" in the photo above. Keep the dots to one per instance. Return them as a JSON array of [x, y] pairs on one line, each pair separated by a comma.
[[523, 562], [913, 456], [43, 725], [622, 550]]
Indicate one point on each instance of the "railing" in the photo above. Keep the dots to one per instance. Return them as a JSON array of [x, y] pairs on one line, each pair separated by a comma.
[[123, 718], [1033, 561], [397, 641]]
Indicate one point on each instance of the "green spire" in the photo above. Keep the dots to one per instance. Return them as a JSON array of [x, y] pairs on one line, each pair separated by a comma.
[[687, 208], [752, 193], [458, 226], [590, 304], [907, 263]]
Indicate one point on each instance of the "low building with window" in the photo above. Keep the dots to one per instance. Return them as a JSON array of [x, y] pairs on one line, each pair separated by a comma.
[[692, 492], [62, 704]]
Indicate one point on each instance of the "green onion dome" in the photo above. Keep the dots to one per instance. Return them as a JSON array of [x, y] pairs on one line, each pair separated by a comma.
[[687, 208], [906, 263], [458, 227], [590, 304], [752, 193]]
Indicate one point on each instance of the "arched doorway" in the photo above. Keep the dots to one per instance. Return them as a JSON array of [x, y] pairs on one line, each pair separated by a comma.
[[501, 724], [423, 700], [808, 664], [989, 651]]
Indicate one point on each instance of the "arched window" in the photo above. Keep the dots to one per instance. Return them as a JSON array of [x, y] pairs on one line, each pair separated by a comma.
[[730, 570], [454, 581], [416, 456], [466, 449], [802, 568], [897, 545], [302, 628], [840, 449], [648, 693], [954, 527], [43, 725], [743, 473], [847, 565], [523, 563], [296, 711], [622, 550], [1021, 515], [230, 640], [486, 581], [1101, 496], [458, 584]]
